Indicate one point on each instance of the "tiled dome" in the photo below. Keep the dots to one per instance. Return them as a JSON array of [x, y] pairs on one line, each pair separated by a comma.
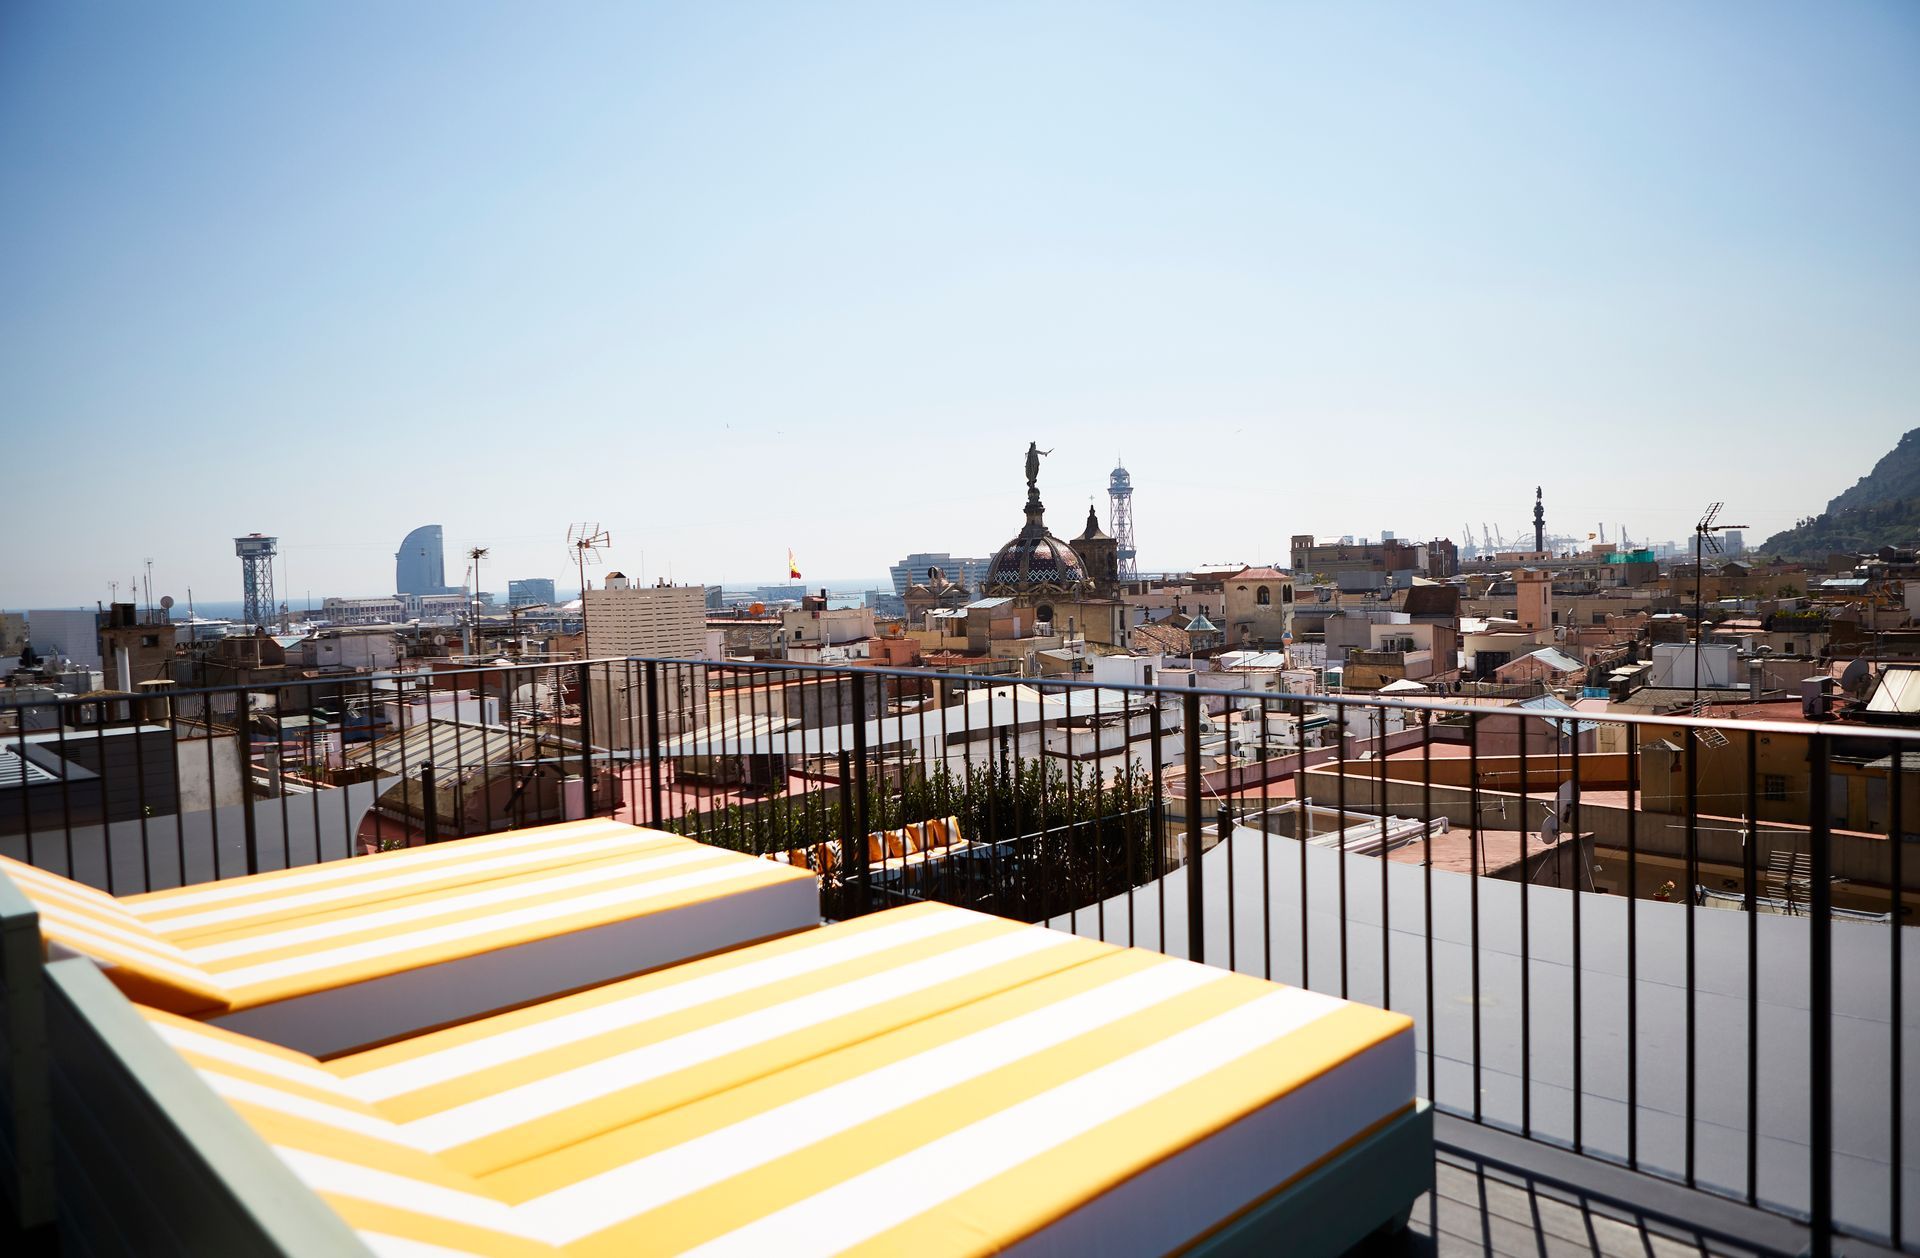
[[1035, 560]]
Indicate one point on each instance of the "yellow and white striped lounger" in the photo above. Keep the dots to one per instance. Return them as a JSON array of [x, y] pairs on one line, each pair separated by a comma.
[[341, 955], [925, 1080]]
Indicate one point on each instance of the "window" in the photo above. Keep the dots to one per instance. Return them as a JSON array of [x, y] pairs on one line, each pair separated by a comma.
[[1286, 593], [1263, 596], [1774, 787]]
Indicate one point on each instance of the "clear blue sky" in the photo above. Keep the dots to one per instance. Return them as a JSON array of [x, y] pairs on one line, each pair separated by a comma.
[[733, 278]]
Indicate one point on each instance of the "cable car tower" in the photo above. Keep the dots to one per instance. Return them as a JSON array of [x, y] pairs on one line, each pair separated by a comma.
[[1120, 516]]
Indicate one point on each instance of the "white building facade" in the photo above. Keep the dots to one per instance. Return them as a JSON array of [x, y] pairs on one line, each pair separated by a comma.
[[625, 618]]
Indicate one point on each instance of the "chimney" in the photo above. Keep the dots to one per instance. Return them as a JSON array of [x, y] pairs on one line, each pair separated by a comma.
[[1756, 681]]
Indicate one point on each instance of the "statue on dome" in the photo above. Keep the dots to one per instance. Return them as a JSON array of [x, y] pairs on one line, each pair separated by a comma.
[[1034, 455]]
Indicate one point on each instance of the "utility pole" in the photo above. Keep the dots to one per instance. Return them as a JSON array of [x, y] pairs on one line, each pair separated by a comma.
[[1703, 541]]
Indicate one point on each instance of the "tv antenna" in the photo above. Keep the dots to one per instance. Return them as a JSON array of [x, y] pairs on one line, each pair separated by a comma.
[[1703, 541], [586, 541], [473, 598]]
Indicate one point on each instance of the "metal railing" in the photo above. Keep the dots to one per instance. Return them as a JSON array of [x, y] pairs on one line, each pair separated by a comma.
[[1674, 943]]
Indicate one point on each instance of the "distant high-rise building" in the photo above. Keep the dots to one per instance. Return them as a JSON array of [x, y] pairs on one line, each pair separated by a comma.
[[1734, 541], [256, 553], [625, 618], [968, 572], [1120, 515], [420, 565], [529, 591]]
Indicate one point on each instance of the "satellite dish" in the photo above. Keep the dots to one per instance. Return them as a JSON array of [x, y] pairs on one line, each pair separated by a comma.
[[166, 601], [1856, 676], [439, 639]]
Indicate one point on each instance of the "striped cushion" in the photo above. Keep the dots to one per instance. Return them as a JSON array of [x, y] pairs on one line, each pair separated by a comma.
[[235, 945], [149, 968], [921, 1080], [188, 913]]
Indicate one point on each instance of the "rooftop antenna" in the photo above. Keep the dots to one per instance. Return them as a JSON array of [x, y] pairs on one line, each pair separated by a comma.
[[586, 541], [1703, 541], [473, 596]]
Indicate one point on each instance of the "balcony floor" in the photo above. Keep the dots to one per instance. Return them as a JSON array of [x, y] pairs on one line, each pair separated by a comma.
[[1497, 1194], [1478, 1208]]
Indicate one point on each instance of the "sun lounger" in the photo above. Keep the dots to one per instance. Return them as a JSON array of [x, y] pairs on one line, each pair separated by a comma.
[[924, 1080], [342, 955]]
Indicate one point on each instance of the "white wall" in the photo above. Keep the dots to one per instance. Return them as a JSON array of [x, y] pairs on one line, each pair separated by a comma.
[[1673, 665], [65, 631]]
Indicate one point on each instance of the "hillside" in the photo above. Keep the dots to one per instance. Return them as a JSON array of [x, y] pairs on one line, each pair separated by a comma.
[[1882, 508]]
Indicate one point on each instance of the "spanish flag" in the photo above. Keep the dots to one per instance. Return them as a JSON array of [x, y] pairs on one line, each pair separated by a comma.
[[793, 569]]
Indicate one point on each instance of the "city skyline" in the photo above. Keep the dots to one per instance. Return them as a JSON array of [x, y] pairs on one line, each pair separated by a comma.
[[737, 284]]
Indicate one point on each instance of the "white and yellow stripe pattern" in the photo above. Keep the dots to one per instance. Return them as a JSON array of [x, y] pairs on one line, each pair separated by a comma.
[[923, 1080], [237, 944]]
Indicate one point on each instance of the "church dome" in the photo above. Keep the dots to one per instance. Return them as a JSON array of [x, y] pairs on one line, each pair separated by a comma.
[[1035, 561]]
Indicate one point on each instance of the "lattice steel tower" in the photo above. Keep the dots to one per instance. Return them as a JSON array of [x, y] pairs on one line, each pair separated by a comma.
[[1120, 516], [256, 553]]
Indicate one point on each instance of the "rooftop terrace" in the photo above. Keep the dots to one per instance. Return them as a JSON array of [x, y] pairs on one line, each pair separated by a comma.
[[1617, 1063]]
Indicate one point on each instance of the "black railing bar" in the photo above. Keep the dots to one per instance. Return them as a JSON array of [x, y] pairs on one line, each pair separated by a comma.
[[1473, 902], [1582, 882], [862, 820], [1073, 909], [1633, 953], [1266, 856], [1692, 956], [26, 792], [1896, 884], [1750, 859], [106, 814], [140, 774], [1426, 837], [66, 794], [1157, 825], [1225, 839], [1196, 903], [1386, 897], [1300, 825], [1820, 1011], [1526, 962], [1340, 801]]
